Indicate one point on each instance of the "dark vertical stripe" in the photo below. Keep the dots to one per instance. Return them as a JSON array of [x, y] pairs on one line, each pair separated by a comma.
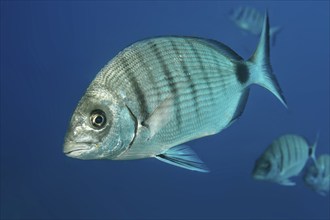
[[246, 14], [288, 150], [204, 72], [185, 70], [142, 102], [218, 67], [273, 152], [239, 14], [254, 18], [299, 148], [169, 78], [296, 147], [281, 155], [150, 75]]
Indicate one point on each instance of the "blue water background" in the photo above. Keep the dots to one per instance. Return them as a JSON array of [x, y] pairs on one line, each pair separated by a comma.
[[51, 51]]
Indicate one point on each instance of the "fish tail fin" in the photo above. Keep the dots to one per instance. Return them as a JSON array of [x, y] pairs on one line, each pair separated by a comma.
[[312, 148], [273, 31], [259, 65]]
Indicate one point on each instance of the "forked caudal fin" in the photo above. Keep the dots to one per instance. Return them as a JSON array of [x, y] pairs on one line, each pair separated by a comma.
[[183, 156], [260, 67]]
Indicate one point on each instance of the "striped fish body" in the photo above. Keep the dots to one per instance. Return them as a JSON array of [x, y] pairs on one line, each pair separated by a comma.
[[202, 85], [284, 158], [317, 175], [161, 92]]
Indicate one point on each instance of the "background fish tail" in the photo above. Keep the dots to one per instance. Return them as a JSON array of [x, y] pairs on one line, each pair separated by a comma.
[[312, 149], [260, 67]]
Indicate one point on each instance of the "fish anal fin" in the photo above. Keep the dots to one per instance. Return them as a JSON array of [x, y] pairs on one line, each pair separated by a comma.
[[184, 157], [241, 105]]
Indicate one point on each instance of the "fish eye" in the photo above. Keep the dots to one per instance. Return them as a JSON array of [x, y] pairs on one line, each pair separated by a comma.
[[266, 165], [98, 118]]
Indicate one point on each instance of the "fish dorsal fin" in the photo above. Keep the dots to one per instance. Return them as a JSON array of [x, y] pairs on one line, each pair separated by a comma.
[[223, 49], [184, 157], [215, 45], [160, 116]]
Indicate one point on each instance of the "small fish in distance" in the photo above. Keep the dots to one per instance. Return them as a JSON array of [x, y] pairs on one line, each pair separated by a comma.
[[317, 175], [161, 92], [250, 20], [284, 158]]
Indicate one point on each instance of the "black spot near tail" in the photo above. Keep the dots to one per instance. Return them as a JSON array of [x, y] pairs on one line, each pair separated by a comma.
[[242, 73], [310, 152]]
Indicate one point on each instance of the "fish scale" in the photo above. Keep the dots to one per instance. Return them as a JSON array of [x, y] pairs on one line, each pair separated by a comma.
[[186, 105]]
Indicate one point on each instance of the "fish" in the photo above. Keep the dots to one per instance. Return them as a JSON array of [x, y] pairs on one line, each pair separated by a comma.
[[284, 158], [317, 175], [161, 92], [251, 20]]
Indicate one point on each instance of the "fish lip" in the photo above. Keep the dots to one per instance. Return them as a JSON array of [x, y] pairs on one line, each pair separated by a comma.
[[71, 147], [75, 150]]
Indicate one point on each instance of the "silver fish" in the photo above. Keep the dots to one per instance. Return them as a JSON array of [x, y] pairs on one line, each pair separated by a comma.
[[284, 158], [161, 92], [251, 20], [317, 175]]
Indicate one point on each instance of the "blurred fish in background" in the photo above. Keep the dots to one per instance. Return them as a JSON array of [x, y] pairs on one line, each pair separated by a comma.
[[250, 20], [317, 175], [285, 157]]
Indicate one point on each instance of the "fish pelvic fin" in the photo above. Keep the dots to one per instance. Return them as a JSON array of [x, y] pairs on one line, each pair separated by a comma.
[[184, 157], [260, 67], [287, 182]]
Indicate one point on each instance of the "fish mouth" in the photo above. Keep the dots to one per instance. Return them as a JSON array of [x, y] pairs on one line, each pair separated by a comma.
[[72, 149]]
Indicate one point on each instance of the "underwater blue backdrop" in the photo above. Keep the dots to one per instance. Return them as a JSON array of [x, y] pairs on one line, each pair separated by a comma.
[[51, 51]]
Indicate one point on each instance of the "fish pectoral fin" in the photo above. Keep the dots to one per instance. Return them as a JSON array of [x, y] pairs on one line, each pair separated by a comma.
[[184, 157], [160, 116], [287, 182]]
